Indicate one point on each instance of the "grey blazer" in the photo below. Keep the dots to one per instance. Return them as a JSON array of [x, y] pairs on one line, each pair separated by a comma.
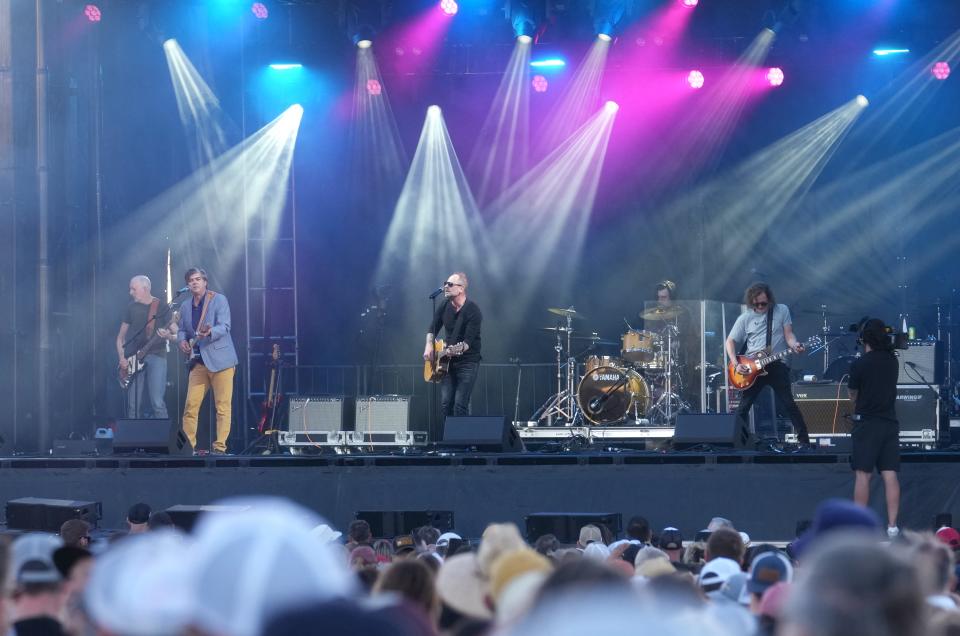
[[216, 351]]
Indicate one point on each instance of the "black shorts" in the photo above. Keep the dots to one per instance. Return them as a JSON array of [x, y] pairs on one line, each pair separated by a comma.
[[876, 445]]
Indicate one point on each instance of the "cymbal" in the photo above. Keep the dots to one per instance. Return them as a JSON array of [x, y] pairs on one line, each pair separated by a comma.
[[570, 311], [661, 313], [821, 312], [556, 329]]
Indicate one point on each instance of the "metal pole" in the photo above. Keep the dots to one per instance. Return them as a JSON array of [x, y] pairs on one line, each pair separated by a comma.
[[43, 221], [7, 179]]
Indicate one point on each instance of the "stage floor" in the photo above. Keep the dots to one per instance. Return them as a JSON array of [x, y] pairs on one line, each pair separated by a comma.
[[764, 493]]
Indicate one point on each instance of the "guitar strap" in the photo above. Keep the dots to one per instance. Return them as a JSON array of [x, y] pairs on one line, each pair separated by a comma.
[[206, 306], [457, 333]]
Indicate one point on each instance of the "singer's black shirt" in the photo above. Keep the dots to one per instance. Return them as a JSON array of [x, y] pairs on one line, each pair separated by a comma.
[[468, 331], [874, 377]]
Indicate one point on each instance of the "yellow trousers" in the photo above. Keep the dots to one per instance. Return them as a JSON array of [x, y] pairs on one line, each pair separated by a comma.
[[221, 383]]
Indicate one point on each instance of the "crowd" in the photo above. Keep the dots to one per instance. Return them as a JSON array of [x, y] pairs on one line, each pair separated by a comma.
[[268, 566]]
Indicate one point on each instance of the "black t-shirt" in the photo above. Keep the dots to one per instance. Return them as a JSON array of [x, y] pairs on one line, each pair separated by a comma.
[[136, 317], [468, 331], [874, 377], [38, 626]]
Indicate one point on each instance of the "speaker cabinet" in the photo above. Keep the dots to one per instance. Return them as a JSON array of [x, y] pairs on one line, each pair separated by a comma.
[[565, 526], [724, 430], [490, 433], [392, 523], [150, 436], [825, 408], [47, 515], [326, 414]]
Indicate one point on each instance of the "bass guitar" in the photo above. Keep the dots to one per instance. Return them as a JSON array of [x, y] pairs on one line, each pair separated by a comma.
[[756, 363], [135, 364], [434, 370]]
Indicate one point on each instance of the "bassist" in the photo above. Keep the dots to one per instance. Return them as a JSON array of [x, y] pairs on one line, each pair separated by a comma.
[[461, 318], [767, 325]]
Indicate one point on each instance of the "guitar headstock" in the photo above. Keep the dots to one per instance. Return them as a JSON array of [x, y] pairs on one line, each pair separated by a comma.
[[275, 355]]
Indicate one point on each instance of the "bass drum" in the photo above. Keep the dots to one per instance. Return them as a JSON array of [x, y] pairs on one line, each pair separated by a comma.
[[609, 394]]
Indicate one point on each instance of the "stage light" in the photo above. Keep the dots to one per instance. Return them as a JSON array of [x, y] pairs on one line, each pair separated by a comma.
[[611, 107], [689, 3], [775, 76], [364, 44], [888, 52], [449, 7], [862, 101], [363, 36], [259, 10], [524, 39], [539, 83], [550, 62], [604, 37], [695, 79], [92, 12], [941, 70], [373, 87], [433, 111], [286, 66]]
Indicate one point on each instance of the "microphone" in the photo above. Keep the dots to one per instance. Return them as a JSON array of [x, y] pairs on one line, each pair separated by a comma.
[[182, 289], [595, 404], [436, 292]]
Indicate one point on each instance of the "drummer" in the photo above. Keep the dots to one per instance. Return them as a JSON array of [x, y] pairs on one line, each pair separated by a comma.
[[665, 293]]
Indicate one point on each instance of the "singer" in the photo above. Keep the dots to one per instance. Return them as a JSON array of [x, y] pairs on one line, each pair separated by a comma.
[[876, 431], [461, 318]]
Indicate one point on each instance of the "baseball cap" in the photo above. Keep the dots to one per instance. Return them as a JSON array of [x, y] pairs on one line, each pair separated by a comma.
[[138, 513], [715, 573], [768, 569], [444, 539], [836, 514], [671, 539], [31, 559], [949, 536]]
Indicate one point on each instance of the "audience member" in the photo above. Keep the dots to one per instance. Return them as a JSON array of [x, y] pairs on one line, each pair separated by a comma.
[[462, 591], [138, 518], [497, 539], [414, 581], [935, 564], [76, 533], [671, 542], [589, 534], [426, 538], [358, 534], [638, 530], [448, 543], [767, 570], [832, 516], [383, 550], [160, 519], [36, 586], [724, 543]]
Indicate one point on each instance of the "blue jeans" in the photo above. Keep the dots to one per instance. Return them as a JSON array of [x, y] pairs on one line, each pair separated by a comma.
[[154, 377], [456, 387]]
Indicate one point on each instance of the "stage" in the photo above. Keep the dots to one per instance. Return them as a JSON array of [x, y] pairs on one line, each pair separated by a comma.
[[763, 493]]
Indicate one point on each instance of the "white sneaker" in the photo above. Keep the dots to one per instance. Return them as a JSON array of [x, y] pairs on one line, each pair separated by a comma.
[[893, 532]]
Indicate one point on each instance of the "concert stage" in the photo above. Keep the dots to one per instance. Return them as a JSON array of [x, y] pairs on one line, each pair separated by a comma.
[[764, 493]]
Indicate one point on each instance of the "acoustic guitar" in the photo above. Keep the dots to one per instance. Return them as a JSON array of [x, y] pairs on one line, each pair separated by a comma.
[[434, 370], [756, 363]]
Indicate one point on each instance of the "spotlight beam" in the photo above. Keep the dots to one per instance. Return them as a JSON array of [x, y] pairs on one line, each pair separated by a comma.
[[581, 97]]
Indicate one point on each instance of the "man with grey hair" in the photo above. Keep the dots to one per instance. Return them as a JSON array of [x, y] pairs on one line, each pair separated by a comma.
[[141, 334]]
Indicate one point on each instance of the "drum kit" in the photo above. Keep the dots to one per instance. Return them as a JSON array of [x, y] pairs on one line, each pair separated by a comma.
[[640, 386]]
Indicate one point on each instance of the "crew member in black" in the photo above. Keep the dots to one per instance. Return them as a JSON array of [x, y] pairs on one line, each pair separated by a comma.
[[461, 318], [876, 432]]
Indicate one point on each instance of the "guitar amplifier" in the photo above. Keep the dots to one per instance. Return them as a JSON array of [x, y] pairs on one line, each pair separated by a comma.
[[824, 407], [921, 362], [383, 414], [320, 414]]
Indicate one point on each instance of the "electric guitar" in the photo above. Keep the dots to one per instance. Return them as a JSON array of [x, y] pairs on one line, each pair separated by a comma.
[[270, 404], [756, 363], [434, 370], [134, 364]]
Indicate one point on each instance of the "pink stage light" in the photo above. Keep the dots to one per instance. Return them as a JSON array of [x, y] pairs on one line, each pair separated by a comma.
[[259, 10], [449, 7], [775, 76], [941, 70], [92, 12], [540, 83], [690, 3], [695, 79], [373, 87]]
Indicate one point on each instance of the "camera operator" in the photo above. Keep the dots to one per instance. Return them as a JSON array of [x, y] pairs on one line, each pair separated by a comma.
[[876, 432]]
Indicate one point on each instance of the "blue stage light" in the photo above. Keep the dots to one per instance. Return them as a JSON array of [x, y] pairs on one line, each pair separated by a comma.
[[550, 62], [887, 52], [285, 66]]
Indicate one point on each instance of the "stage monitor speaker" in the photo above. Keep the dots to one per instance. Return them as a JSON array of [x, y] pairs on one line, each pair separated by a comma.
[[489, 433], [725, 430], [150, 436], [565, 526], [185, 516], [393, 523], [824, 407], [47, 515], [325, 413]]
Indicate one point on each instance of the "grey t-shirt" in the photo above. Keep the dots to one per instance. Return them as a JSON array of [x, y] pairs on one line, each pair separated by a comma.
[[753, 327]]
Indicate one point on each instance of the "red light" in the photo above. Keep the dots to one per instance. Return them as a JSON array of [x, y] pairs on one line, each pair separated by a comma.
[[941, 70], [539, 83], [695, 79], [775, 76], [373, 87], [260, 10], [92, 12], [449, 7]]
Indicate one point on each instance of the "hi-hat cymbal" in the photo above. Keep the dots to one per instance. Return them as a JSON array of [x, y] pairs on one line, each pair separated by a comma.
[[556, 329], [569, 311], [661, 313]]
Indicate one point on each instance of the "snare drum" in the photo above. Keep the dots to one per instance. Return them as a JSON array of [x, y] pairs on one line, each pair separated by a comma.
[[595, 362], [639, 346], [609, 394]]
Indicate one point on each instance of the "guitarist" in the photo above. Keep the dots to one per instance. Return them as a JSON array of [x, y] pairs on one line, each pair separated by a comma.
[[767, 325], [461, 318], [140, 322], [204, 337]]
